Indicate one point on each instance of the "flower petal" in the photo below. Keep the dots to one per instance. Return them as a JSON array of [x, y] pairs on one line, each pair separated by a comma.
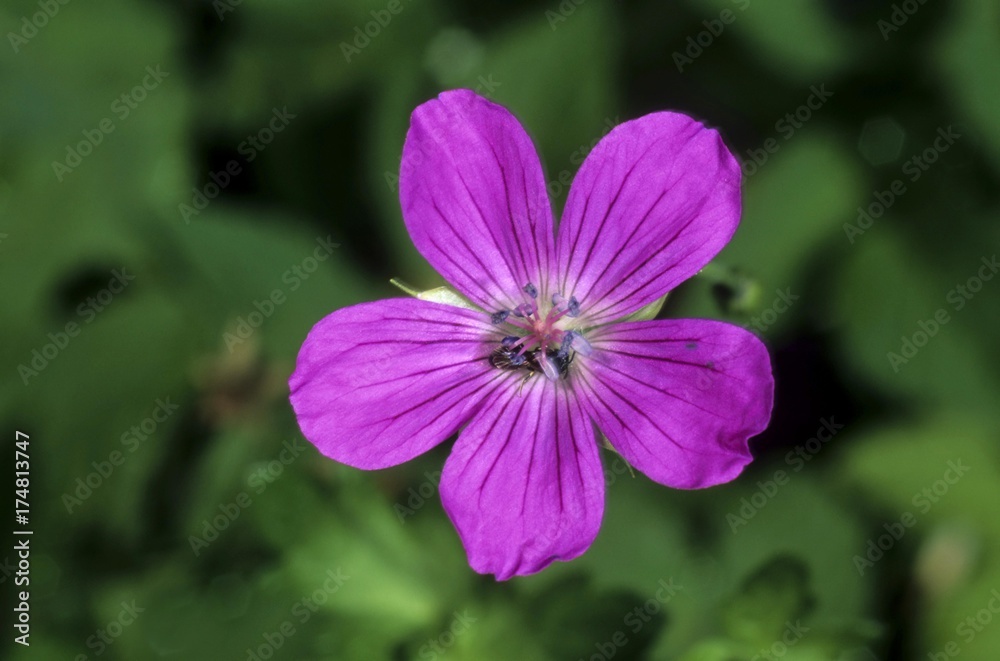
[[679, 398], [523, 484], [654, 201], [379, 383], [474, 198]]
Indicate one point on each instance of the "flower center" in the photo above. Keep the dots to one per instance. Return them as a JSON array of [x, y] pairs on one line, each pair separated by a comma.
[[537, 340]]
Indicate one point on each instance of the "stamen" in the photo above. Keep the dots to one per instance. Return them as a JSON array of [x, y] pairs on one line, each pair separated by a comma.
[[525, 310], [564, 347], [580, 344], [564, 307], [528, 343], [574, 307], [519, 324], [498, 318], [531, 290], [510, 341]]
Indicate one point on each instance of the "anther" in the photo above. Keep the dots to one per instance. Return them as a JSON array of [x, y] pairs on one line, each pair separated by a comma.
[[498, 318], [574, 307], [531, 290], [509, 341], [525, 310], [570, 307], [581, 345], [567, 342]]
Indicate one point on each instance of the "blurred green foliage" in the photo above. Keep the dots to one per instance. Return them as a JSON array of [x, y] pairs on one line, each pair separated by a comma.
[[158, 409]]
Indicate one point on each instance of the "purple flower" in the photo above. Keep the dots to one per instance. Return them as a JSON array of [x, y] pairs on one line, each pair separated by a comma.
[[547, 359]]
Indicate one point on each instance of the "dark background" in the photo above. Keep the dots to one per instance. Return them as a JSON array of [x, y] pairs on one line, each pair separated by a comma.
[[793, 571]]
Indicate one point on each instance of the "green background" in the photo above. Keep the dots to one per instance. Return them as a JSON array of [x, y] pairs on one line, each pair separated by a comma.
[[794, 560]]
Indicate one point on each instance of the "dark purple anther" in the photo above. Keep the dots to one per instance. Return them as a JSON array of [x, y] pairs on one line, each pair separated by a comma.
[[574, 307]]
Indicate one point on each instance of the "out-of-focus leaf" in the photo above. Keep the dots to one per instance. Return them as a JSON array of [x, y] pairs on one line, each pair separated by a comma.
[[937, 481], [393, 579], [970, 39], [268, 284], [891, 310], [136, 349], [302, 53], [941, 467], [774, 595], [797, 38], [617, 621]]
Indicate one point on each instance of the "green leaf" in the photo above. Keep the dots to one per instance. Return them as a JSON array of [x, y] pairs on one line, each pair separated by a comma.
[[777, 593], [617, 620], [404, 573], [891, 307], [647, 312], [251, 264], [443, 295], [896, 464], [798, 38], [969, 40]]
